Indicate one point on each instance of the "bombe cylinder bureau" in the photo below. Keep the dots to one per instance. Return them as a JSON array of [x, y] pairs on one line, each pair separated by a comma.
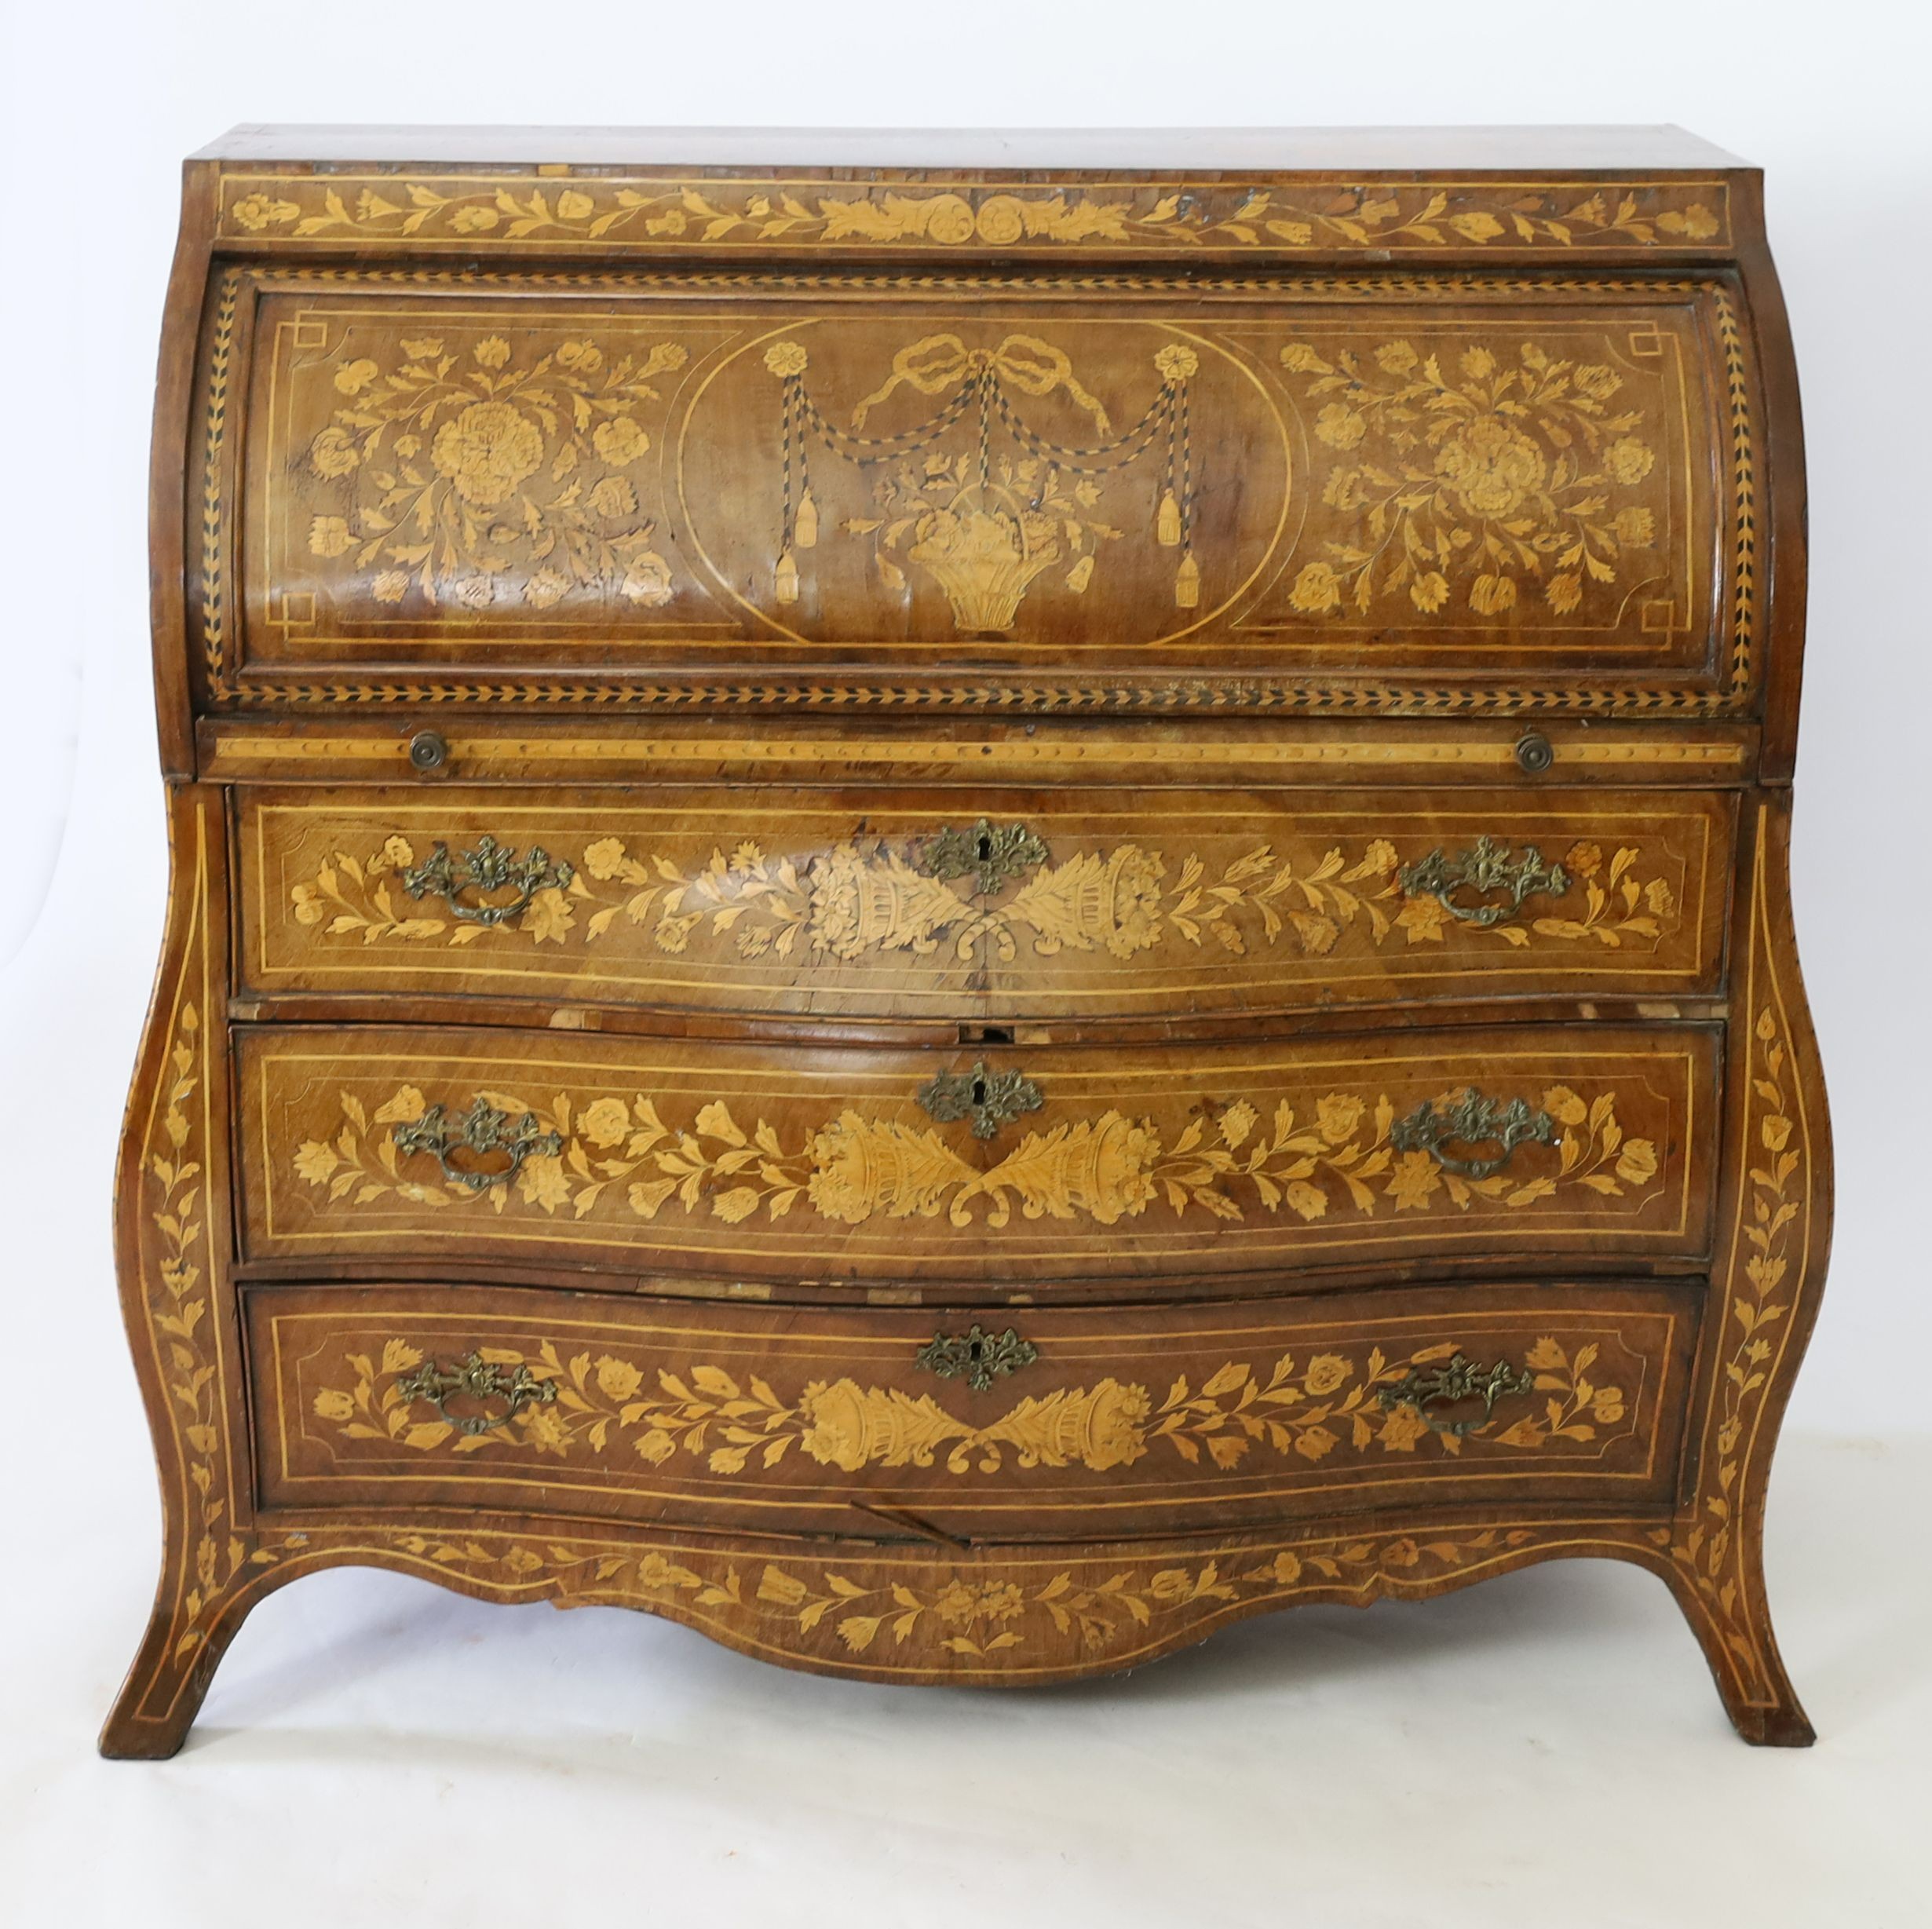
[[956, 904]]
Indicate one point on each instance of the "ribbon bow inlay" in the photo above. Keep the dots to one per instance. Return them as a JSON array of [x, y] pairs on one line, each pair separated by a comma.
[[937, 362]]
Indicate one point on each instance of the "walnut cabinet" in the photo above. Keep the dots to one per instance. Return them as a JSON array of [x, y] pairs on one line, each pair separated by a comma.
[[956, 908]]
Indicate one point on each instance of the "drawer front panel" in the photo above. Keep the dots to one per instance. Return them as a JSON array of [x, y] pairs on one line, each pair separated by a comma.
[[493, 490], [831, 1165], [1027, 903], [1100, 1423]]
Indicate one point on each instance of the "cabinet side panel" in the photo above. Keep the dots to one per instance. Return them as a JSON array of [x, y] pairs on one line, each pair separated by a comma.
[[172, 1237], [167, 509]]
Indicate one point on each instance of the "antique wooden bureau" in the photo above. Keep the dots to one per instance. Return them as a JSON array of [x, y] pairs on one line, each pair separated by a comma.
[[958, 903]]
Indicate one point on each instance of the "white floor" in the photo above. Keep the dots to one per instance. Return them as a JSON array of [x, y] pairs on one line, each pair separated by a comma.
[[1545, 1749]]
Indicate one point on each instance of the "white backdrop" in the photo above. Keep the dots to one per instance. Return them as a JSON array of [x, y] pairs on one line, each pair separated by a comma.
[[102, 100]]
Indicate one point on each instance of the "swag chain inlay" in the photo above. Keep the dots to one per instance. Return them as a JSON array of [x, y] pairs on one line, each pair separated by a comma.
[[984, 529]]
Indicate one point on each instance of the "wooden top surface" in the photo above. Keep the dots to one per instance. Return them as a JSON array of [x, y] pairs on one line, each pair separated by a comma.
[[1268, 149]]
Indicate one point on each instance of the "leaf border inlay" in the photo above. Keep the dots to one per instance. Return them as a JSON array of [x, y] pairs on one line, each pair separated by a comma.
[[1266, 216], [875, 901], [1774, 1206], [854, 1168], [1126, 1604], [604, 1401]]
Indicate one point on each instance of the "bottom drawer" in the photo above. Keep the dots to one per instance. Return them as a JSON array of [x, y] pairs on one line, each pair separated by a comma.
[[1074, 1424]]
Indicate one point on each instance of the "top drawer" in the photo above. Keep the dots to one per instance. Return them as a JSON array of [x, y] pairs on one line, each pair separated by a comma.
[[1391, 493], [814, 903]]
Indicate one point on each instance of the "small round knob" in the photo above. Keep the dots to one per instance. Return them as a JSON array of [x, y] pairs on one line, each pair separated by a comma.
[[428, 751], [1533, 751]]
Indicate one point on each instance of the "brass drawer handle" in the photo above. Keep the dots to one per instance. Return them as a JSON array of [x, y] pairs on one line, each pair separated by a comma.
[[1471, 1120], [478, 1378], [990, 1099], [491, 867], [1485, 866], [1450, 1383], [978, 1356], [483, 1130], [994, 857]]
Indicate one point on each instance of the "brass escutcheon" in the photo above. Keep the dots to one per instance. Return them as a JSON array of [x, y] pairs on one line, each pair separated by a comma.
[[977, 1356], [993, 856], [990, 1099]]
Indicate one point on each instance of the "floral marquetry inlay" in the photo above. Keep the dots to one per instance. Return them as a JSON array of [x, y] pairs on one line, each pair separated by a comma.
[[731, 1425], [1463, 478], [623, 1154], [218, 1555], [434, 468], [459, 470], [703, 1059], [1777, 1199], [876, 902], [1001, 1614], [1163, 218], [182, 1328]]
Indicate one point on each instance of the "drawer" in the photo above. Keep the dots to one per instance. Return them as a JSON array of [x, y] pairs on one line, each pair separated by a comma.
[[827, 1165], [1084, 1424], [807, 904], [1387, 493]]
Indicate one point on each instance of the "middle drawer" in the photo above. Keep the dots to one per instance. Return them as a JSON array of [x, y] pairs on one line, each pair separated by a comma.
[[1069, 904], [990, 1173]]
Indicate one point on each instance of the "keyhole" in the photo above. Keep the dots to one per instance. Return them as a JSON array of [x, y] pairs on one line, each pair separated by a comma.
[[985, 846], [975, 1349], [979, 1091]]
